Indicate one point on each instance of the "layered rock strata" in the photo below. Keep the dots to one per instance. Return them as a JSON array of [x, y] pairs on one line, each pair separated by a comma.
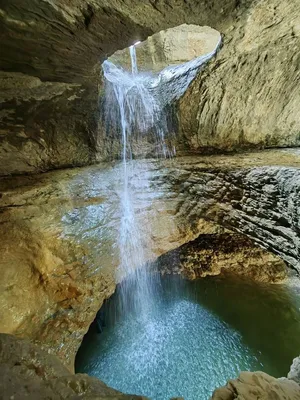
[[58, 240], [249, 95], [53, 50], [212, 254], [261, 202]]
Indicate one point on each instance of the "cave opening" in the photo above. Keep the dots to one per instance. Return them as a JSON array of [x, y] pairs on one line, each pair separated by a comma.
[[153, 75]]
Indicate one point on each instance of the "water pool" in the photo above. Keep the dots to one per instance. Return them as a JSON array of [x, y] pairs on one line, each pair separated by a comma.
[[195, 336]]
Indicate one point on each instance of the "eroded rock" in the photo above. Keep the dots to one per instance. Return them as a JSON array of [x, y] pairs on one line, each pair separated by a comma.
[[247, 97], [37, 130], [29, 372], [63, 44], [173, 46], [261, 202], [258, 385], [59, 233], [216, 253]]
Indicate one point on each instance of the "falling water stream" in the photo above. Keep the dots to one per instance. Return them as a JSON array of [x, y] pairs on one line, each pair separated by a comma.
[[129, 97]]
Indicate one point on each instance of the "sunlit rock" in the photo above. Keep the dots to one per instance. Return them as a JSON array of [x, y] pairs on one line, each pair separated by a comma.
[[258, 385], [173, 46], [249, 96], [246, 97]]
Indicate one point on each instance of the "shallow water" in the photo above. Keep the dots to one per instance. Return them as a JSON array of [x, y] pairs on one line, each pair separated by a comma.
[[196, 336]]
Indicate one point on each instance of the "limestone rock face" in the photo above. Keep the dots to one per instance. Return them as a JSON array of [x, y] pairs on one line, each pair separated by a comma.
[[215, 253], [172, 58], [249, 95], [29, 372], [257, 385], [60, 40], [261, 202], [45, 125], [59, 233]]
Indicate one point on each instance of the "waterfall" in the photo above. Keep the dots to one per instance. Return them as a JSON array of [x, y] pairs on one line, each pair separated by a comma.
[[130, 100], [133, 107], [134, 67], [135, 104]]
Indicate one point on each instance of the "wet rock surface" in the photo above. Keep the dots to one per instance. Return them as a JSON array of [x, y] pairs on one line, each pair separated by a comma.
[[213, 254], [59, 230], [59, 236], [55, 273]]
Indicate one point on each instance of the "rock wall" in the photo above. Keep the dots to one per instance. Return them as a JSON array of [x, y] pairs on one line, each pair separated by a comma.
[[257, 385], [169, 47], [60, 40], [45, 125], [261, 202], [248, 97], [58, 233], [27, 371]]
